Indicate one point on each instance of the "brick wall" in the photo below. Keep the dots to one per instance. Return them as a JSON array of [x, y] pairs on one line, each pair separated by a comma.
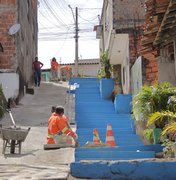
[[20, 49], [7, 18], [151, 67]]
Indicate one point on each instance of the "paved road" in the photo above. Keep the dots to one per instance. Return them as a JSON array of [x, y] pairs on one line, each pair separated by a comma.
[[34, 162]]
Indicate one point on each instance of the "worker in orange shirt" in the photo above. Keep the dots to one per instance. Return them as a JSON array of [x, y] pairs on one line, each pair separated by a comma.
[[53, 111], [58, 125], [54, 69]]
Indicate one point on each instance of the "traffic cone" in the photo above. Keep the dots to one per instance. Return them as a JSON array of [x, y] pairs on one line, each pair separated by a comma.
[[96, 138], [110, 141]]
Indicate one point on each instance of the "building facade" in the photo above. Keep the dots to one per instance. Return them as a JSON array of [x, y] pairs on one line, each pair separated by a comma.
[[158, 42], [121, 23], [18, 38]]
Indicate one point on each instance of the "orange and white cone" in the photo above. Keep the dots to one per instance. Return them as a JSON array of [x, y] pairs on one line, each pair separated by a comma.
[[96, 138], [110, 141]]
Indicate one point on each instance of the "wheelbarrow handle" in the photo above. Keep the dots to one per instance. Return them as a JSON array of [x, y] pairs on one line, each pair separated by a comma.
[[9, 111]]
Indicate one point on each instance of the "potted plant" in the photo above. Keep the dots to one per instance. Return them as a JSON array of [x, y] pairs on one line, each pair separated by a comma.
[[104, 74]]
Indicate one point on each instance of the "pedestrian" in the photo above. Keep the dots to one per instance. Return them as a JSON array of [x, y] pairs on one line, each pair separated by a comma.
[[54, 69], [53, 109], [37, 65], [58, 126]]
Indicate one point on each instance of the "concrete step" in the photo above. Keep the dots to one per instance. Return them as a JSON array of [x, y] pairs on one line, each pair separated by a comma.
[[84, 95], [118, 143], [108, 117], [103, 120], [87, 91], [88, 98], [101, 103], [87, 87], [152, 147], [102, 136], [96, 110], [83, 80], [122, 131], [123, 170], [102, 125], [112, 115], [80, 117], [112, 155], [94, 106]]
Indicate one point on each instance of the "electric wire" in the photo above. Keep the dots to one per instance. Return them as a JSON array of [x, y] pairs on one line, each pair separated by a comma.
[[54, 23]]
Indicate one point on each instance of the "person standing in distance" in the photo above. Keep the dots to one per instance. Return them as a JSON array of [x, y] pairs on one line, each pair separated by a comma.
[[37, 65], [54, 69]]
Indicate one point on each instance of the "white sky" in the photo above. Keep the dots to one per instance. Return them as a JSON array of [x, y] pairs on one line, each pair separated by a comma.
[[56, 30]]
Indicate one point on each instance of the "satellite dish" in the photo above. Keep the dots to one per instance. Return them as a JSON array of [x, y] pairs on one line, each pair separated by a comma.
[[14, 29]]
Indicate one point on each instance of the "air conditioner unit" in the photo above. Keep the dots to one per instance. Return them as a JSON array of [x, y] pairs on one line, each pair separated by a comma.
[[99, 32], [98, 29]]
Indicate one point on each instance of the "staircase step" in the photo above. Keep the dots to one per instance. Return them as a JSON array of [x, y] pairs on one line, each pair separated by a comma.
[[105, 115], [83, 80], [153, 147], [122, 131], [118, 143], [103, 136], [88, 89], [113, 155], [104, 103], [101, 125]]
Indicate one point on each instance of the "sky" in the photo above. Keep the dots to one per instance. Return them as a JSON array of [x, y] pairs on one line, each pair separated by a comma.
[[57, 29]]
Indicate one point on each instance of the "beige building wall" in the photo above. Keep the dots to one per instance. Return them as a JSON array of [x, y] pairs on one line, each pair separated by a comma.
[[87, 67]]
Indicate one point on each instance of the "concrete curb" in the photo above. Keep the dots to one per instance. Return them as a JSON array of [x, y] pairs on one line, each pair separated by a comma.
[[126, 170]]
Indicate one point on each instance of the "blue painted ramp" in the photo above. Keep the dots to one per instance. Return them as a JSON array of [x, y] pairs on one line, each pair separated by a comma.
[[91, 111]]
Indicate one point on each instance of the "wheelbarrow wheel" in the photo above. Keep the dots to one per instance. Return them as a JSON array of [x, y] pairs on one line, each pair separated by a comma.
[[12, 147]]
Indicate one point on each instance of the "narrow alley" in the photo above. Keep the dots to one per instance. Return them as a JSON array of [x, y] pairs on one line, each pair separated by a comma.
[[34, 162]]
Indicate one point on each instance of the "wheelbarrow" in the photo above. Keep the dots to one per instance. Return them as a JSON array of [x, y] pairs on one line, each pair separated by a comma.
[[13, 136]]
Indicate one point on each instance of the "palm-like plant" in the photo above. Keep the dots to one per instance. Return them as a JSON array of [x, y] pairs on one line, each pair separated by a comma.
[[155, 105], [106, 68], [161, 118], [170, 129], [153, 99]]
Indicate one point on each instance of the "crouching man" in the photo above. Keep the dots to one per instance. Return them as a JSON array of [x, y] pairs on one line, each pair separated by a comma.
[[58, 129]]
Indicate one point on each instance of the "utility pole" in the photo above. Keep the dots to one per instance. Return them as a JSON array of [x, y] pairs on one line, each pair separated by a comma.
[[76, 38], [76, 43]]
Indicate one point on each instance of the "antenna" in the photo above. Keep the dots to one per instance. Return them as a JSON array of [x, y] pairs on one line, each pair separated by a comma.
[[14, 29]]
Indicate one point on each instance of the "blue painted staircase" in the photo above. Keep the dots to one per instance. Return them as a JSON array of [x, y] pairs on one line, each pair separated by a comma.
[[91, 111]]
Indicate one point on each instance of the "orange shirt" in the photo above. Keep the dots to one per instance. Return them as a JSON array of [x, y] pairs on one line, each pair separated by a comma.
[[58, 123], [54, 65]]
